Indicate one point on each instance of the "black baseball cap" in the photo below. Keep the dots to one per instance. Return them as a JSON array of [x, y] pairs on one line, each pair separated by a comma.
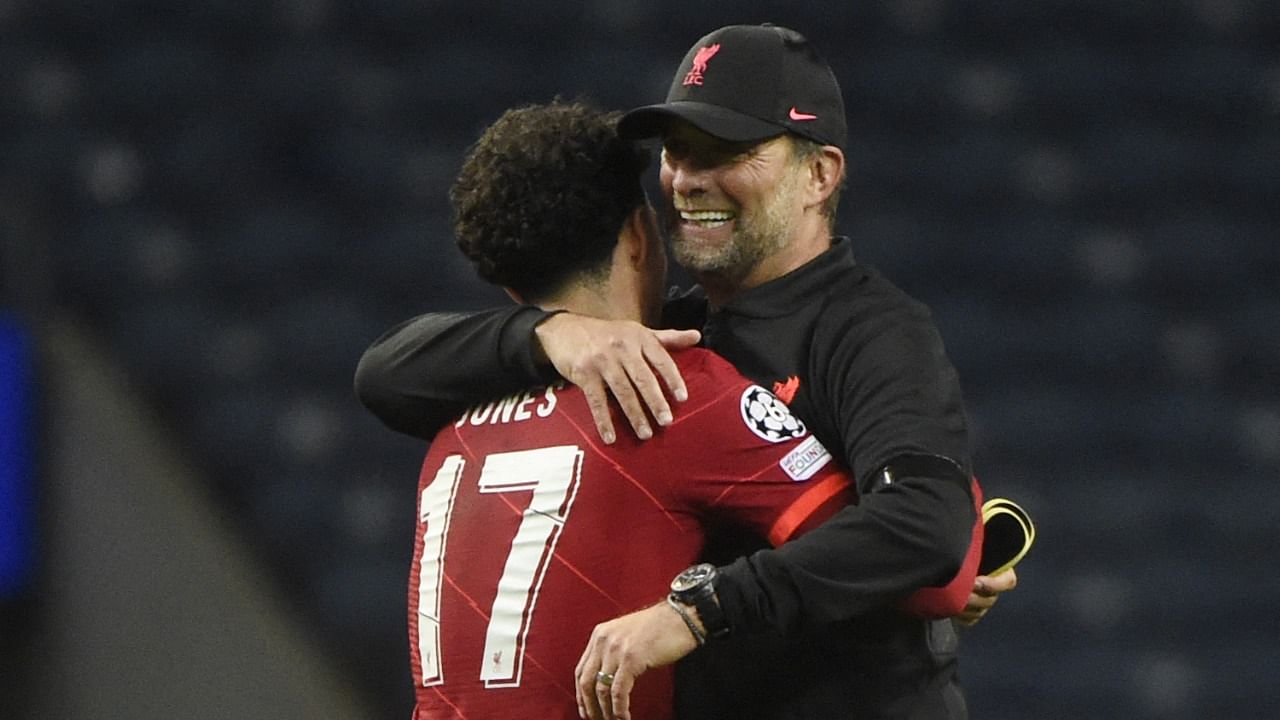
[[749, 82]]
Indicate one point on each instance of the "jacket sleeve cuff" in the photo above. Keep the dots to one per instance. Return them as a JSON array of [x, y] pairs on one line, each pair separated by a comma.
[[516, 344], [741, 596]]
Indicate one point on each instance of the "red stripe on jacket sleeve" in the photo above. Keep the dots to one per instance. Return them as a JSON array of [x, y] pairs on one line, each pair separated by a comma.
[[950, 599]]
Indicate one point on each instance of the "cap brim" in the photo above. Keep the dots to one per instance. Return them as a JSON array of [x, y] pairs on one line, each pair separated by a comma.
[[652, 121]]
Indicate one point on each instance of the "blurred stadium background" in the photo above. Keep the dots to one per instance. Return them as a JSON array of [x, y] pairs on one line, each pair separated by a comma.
[[208, 210]]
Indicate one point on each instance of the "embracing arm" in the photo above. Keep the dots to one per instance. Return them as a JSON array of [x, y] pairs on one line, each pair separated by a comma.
[[425, 371], [884, 381], [869, 555]]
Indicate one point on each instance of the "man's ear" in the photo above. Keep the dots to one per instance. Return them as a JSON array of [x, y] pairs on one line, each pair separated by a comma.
[[826, 172], [640, 238]]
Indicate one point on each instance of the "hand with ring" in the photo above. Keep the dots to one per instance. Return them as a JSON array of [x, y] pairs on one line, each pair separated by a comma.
[[629, 646], [594, 693]]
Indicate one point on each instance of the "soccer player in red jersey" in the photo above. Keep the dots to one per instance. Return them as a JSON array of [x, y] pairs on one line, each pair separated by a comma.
[[530, 529]]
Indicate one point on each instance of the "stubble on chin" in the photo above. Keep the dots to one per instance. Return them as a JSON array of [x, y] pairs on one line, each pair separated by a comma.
[[754, 238]]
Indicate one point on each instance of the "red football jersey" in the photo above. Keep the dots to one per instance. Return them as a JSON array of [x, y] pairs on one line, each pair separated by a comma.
[[531, 531]]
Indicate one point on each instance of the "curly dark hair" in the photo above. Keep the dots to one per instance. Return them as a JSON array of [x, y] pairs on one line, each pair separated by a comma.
[[542, 196]]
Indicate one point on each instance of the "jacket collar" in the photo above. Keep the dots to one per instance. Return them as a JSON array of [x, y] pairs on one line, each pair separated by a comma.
[[784, 295]]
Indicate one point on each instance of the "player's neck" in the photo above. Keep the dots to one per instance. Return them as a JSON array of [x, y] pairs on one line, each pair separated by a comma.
[[600, 300]]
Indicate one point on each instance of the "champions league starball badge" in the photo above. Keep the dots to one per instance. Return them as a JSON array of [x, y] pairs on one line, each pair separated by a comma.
[[769, 417]]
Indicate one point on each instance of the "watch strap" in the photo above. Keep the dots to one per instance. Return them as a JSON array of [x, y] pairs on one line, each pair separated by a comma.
[[698, 635]]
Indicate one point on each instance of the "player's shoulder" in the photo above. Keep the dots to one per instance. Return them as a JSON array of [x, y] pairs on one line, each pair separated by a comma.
[[702, 365], [732, 402], [708, 377]]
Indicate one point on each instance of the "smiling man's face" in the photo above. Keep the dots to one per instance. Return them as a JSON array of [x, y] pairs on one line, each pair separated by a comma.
[[734, 204]]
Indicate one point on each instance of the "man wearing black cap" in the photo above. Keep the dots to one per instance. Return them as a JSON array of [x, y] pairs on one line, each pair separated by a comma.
[[753, 135]]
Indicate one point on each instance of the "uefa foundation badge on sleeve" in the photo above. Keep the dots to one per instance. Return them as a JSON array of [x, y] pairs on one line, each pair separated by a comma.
[[805, 460]]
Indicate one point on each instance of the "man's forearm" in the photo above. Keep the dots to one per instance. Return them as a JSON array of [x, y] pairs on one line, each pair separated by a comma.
[[865, 557], [424, 372]]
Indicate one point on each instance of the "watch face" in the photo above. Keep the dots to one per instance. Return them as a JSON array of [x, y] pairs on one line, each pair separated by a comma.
[[692, 578]]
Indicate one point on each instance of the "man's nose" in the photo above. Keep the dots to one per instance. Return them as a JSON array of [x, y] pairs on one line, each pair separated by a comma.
[[687, 178]]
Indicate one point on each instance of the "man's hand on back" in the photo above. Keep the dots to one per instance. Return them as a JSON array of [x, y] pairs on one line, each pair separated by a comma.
[[618, 357]]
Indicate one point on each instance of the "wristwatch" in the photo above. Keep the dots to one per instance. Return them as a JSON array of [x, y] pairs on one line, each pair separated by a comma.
[[695, 587]]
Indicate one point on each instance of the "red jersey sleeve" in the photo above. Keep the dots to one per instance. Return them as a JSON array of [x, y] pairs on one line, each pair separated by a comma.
[[736, 452]]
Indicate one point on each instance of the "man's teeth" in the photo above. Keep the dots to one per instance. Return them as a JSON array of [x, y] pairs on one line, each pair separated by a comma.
[[706, 218]]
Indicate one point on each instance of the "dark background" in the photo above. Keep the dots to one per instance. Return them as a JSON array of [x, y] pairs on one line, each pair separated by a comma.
[[236, 197]]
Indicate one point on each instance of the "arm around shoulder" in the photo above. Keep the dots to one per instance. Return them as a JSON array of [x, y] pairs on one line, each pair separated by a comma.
[[425, 371]]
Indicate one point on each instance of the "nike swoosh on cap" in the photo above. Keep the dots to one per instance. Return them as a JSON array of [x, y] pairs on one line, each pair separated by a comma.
[[797, 115]]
